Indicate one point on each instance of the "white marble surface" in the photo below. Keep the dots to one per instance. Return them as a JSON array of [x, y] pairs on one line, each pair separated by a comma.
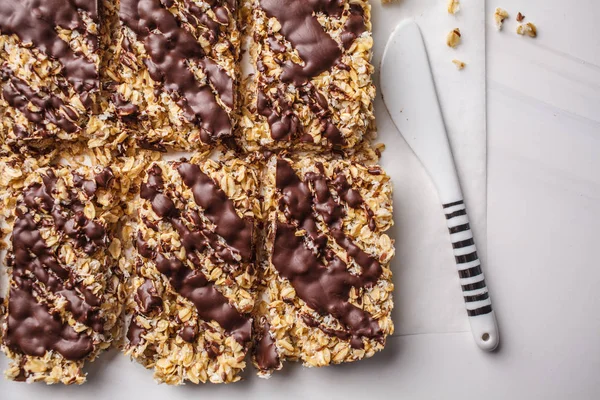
[[542, 267]]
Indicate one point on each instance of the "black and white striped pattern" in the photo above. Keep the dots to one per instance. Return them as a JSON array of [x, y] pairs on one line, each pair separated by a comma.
[[472, 281]]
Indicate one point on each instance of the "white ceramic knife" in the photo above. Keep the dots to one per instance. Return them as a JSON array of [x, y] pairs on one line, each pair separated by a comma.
[[409, 94]]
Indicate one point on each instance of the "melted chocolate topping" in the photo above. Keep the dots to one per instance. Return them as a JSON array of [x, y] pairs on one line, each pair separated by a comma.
[[189, 333], [344, 190], [147, 298], [87, 234], [88, 186], [296, 195], [196, 239], [212, 349], [219, 210], [275, 45], [300, 26], [35, 21], [32, 254], [50, 108], [356, 342], [354, 26], [125, 110], [209, 302], [320, 53], [32, 330], [169, 52], [189, 283], [353, 198], [325, 288], [284, 123], [212, 27], [104, 178], [134, 333], [265, 352], [318, 104], [332, 213]]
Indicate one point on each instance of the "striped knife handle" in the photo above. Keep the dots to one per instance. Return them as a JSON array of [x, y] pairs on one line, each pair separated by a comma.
[[477, 299]]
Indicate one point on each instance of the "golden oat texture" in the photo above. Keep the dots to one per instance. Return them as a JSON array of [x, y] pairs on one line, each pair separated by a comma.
[[65, 293], [49, 61], [193, 285], [173, 71], [316, 94], [328, 287]]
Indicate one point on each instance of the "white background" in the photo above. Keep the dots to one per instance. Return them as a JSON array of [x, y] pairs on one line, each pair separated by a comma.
[[543, 252]]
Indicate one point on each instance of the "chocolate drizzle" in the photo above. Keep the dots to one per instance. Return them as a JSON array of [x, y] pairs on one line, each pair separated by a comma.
[[192, 283], [88, 185], [296, 195], [344, 190], [275, 45], [332, 213], [48, 108], [219, 209], [31, 255], [301, 28], [265, 351], [284, 123], [313, 323], [196, 239], [87, 234], [147, 298], [125, 110], [104, 178], [353, 198], [189, 333], [134, 333], [169, 52], [319, 52], [32, 330], [318, 105], [324, 288], [35, 21], [211, 32], [212, 349], [354, 26]]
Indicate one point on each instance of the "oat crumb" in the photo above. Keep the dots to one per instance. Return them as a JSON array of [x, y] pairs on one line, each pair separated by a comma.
[[499, 16], [453, 6], [528, 29], [459, 64], [453, 38]]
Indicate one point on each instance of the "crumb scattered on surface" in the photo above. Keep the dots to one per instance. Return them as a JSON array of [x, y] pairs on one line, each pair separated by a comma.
[[499, 16], [520, 17], [453, 38], [528, 29], [453, 6], [459, 64]]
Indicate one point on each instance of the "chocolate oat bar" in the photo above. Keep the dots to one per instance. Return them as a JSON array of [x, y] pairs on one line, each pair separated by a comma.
[[175, 67], [329, 291], [193, 285], [65, 292], [49, 59], [311, 87]]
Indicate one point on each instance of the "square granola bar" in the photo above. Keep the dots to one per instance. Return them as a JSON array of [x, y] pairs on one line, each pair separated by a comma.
[[65, 295], [311, 87], [328, 289], [175, 71], [49, 61], [193, 285]]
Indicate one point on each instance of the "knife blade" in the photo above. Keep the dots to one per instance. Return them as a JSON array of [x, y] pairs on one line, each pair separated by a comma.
[[410, 96]]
